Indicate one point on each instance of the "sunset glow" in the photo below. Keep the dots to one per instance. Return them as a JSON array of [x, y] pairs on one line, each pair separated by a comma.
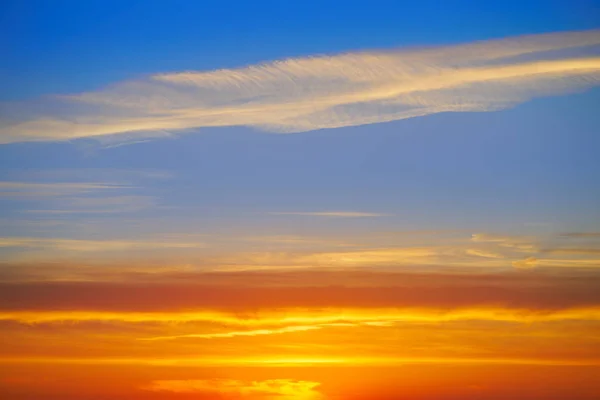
[[312, 200]]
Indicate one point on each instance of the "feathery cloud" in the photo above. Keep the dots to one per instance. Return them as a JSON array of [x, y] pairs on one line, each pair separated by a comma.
[[304, 94], [282, 389]]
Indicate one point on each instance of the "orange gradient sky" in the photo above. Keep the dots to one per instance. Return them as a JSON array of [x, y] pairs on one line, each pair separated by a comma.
[[299, 200], [310, 334]]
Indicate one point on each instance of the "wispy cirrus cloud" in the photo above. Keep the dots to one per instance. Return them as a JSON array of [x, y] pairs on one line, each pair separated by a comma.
[[18, 189], [518, 243], [304, 94], [80, 245], [99, 205], [257, 332], [575, 263], [335, 214], [74, 197], [282, 253], [295, 240], [581, 235], [483, 253], [81, 191], [573, 251]]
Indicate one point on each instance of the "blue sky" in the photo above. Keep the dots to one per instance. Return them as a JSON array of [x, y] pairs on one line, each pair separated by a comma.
[[528, 168], [299, 199], [70, 46]]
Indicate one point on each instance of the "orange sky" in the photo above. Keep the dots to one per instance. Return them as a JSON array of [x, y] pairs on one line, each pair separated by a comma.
[[299, 200], [347, 334]]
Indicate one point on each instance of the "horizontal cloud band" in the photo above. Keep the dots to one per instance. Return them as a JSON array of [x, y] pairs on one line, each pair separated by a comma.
[[305, 94], [250, 292]]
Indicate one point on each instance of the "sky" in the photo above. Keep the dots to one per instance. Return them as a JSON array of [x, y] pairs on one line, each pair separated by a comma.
[[281, 200]]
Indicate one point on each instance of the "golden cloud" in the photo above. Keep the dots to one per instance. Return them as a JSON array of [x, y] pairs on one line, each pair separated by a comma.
[[281, 389]]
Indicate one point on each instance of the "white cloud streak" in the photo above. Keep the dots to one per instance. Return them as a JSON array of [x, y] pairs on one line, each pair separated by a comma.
[[35, 189], [337, 214], [79, 245], [100, 205], [305, 94]]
